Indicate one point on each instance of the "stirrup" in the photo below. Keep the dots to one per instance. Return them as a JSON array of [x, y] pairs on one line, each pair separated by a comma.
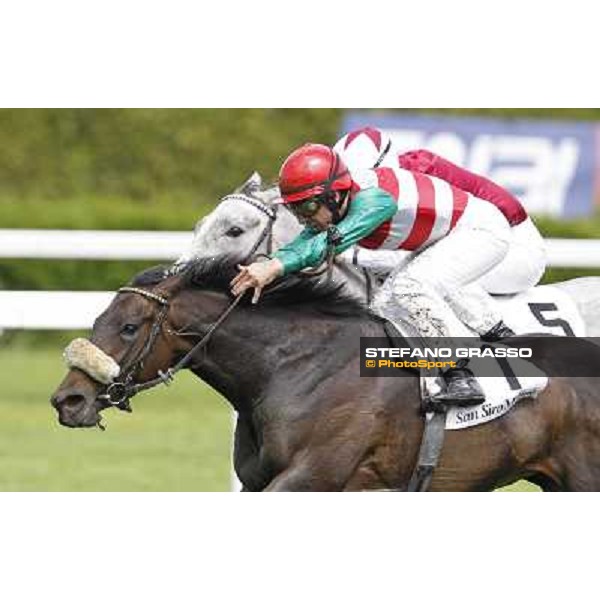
[[468, 392]]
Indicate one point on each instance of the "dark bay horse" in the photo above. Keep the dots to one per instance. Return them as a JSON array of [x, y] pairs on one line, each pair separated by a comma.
[[307, 421]]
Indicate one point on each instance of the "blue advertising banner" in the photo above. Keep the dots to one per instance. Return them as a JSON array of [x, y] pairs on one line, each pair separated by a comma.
[[549, 165]]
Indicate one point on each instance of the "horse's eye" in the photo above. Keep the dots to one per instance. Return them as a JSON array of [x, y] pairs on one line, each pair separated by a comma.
[[129, 329], [234, 232]]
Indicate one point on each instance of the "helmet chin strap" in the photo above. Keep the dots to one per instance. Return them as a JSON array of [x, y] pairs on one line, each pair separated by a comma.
[[331, 197], [337, 207]]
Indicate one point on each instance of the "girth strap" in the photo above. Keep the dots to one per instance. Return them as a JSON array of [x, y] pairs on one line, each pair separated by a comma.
[[433, 433], [429, 453]]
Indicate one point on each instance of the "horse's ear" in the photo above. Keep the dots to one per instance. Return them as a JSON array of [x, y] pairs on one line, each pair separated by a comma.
[[251, 185]]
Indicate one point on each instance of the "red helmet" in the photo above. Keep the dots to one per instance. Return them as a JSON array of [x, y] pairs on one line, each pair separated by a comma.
[[312, 170]]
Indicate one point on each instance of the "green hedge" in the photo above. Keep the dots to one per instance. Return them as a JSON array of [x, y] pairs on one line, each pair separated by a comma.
[[147, 154], [165, 154]]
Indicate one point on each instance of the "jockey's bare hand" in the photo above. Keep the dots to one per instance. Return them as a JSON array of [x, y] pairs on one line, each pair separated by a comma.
[[257, 276]]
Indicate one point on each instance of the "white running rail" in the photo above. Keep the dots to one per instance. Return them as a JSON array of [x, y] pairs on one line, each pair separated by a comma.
[[77, 310], [168, 245]]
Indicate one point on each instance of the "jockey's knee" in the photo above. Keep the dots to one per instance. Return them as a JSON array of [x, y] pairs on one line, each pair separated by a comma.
[[399, 290], [512, 281], [522, 269]]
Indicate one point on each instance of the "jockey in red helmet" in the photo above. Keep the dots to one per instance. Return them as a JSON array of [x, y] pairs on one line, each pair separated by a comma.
[[391, 208]]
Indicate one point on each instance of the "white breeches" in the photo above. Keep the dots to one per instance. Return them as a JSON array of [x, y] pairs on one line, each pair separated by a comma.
[[521, 269], [424, 290], [524, 264]]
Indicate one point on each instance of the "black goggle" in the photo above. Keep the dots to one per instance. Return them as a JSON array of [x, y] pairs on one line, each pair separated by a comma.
[[310, 207], [305, 209]]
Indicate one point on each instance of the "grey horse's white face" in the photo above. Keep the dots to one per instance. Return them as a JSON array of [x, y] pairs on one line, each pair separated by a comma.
[[231, 229], [234, 226]]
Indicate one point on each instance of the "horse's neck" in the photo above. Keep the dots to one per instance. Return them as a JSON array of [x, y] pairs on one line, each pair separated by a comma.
[[248, 358]]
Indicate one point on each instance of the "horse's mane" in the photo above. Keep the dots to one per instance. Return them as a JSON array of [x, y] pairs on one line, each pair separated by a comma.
[[327, 297], [151, 276]]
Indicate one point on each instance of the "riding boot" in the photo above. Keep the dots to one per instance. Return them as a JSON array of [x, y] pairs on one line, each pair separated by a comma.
[[462, 388], [499, 331]]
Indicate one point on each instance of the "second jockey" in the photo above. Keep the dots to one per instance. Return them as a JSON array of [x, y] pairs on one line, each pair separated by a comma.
[[456, 239], [523, 266]]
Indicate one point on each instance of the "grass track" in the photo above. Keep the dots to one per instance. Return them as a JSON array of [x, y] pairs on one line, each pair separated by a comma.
[[178, 439]]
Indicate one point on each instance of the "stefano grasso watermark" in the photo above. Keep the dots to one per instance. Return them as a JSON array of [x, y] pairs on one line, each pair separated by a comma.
[[519, 357]]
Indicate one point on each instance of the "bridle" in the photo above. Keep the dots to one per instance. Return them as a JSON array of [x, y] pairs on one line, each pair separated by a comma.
[[267, 232], [333, 240], [119, 392]]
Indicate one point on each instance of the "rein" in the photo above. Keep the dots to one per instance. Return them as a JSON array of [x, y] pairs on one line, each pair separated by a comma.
[[119, 393], [334, 238]]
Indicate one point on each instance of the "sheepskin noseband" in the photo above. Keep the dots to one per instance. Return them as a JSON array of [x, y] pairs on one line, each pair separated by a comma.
[[84, 355]]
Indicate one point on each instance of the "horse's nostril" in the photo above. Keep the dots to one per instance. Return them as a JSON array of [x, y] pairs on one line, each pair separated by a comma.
[[74, 402], [70, 402]]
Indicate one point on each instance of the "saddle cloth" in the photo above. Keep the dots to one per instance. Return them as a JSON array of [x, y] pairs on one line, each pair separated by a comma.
[[543, 309], [501, 392]]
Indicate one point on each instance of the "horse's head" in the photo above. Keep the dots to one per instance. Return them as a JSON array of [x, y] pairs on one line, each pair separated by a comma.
[[132, 342], [245, 222]]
